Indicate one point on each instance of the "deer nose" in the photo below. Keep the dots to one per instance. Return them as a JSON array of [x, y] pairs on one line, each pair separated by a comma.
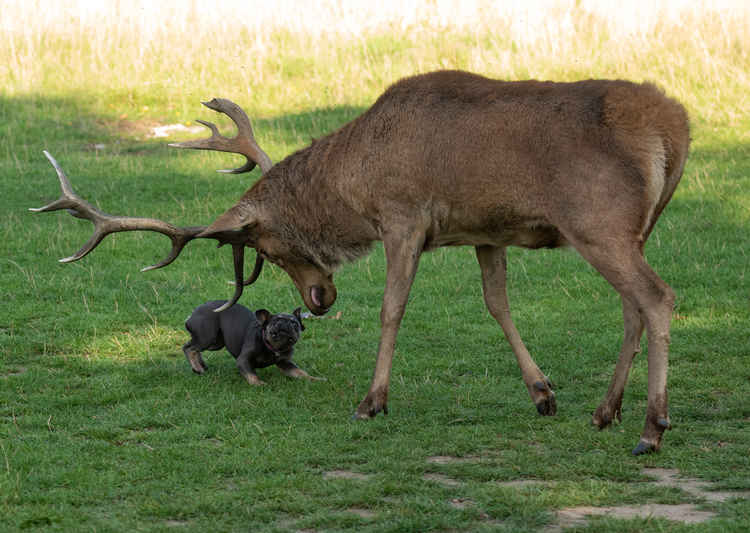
[[316, 295], [321, 298]]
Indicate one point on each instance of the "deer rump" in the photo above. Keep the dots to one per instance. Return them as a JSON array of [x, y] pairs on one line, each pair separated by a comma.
[[453, 158]]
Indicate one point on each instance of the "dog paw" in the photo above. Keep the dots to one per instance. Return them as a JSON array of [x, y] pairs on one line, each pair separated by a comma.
[[254, 380]]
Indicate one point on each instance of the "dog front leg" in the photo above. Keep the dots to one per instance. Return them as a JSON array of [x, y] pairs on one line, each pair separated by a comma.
[[291, 370], [402, 253], [247, 371]]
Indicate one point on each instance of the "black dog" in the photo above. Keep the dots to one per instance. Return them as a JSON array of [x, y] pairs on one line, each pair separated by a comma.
[[255, 340]]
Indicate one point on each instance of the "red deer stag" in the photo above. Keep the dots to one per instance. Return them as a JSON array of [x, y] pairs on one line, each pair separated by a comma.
[[451, 158]]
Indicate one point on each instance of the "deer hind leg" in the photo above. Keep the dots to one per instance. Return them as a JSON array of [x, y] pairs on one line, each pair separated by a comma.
[[611, 406], [623, 265], [493, 264]]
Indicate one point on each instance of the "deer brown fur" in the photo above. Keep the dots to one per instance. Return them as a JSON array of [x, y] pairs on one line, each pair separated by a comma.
[[452, 158]]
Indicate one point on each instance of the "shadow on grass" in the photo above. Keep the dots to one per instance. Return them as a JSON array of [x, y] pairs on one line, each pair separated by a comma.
[[53, 308], [36, 122]]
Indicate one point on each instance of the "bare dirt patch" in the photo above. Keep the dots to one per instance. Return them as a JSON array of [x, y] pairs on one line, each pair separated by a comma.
[[450, 460], [521, 483], [139, 128], [700, 489], [13, 371], [443, 480], [360, 512], [685, 513], [176, 523], [345, 474], [578, 516], [461, 503]]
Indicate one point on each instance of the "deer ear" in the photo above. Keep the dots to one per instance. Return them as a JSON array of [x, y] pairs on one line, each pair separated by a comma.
[[237, 217]]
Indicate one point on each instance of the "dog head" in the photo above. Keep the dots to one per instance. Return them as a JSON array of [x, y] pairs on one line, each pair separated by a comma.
[[280, 332]]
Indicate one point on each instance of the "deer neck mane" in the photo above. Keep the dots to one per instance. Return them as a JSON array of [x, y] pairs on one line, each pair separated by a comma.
[[303, 200]]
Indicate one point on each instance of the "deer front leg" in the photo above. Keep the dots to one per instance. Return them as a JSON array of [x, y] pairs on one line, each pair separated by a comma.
[[493, 265], [402, 255]]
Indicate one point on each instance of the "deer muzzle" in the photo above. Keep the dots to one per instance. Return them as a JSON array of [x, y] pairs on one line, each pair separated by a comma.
[[319, 299]]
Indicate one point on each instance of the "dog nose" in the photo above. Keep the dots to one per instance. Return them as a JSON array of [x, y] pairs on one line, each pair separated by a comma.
[[280, 335]]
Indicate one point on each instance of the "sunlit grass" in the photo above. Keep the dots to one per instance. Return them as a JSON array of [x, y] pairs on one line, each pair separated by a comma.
[[104, 427], [156, 60]]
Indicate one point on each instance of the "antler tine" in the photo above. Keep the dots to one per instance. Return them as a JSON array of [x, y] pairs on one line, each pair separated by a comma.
[[256, 270], [69, 199], [244, 143], [238, 254], [104, 224], [179, 240]]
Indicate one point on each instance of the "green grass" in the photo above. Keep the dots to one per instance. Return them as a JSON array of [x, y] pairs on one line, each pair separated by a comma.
[[103, 427]]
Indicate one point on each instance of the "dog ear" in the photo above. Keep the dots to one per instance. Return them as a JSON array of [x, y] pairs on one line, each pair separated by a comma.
[[298, 313], [263, 316]]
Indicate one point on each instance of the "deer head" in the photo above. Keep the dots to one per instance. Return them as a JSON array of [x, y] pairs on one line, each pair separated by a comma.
[[263, 228], [247, 224]]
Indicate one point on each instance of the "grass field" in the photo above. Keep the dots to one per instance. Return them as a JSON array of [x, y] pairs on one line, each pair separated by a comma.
[[104, 428]]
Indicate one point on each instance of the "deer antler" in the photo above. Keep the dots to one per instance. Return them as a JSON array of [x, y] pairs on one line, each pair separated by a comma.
[[244, 143], [104, 224]]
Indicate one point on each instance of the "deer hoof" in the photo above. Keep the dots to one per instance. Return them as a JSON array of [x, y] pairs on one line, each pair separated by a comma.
[[371, 406], [604, 416], [363, 416], [601, 420], [664, 423], [372, 413], [546, 406], [645, 447]]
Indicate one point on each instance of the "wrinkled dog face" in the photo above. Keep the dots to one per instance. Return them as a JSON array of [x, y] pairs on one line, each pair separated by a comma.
[[282, 331]]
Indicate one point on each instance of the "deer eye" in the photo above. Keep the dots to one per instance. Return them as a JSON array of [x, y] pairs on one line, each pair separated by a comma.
[[268, 257]]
